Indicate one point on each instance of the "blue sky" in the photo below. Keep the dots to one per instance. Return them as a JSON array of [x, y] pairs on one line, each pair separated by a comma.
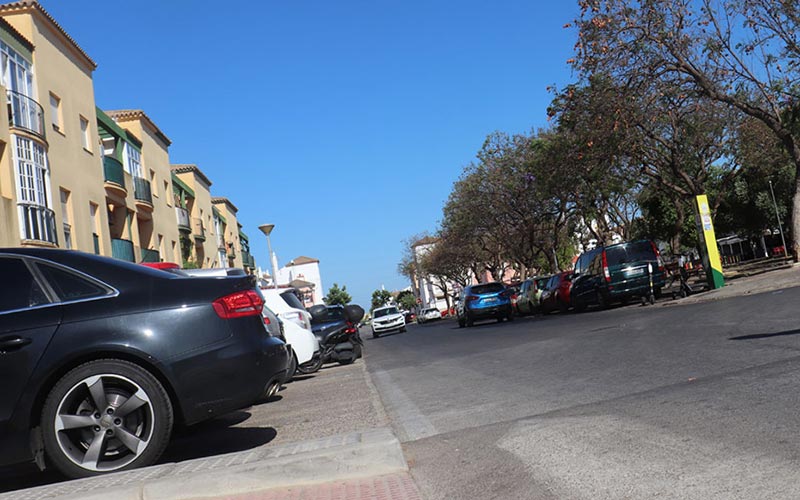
[[343, 123]]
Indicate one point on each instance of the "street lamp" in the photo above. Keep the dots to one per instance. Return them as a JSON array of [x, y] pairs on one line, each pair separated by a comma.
[[267, 229]]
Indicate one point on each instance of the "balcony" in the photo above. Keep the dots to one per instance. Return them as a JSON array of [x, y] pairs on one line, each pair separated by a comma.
[[25, 113], [198, 229], [122, 249], [114, 175], [183, 219], [142, 193], [38, 223], [150, 255]]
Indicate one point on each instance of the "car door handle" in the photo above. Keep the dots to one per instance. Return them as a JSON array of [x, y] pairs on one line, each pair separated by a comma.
[[11, 343]]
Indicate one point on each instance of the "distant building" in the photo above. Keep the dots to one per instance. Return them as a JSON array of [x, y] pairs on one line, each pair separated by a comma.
[[303, 273]]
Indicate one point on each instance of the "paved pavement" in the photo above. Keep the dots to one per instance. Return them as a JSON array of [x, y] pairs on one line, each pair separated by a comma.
[[327, 427], [692, 402]]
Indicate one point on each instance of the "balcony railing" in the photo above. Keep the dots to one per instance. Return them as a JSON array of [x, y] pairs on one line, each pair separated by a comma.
[[113, 171], [25, 113], [38, 223], [150, 255], [198, 229], [141, 190], [183, 219], [122, 249]]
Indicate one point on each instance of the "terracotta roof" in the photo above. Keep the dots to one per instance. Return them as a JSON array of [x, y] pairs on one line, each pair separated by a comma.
[[183, 168], [299, 261], [425, 241], [222, 199], [298, 283], [26, 5], [124, 115]]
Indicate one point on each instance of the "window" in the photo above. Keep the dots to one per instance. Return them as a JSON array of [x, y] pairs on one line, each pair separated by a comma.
[[25, 291], [133, 161], [66, 218], [32, 172], [86, 140], [55, 112], [95, 228], [166, 194], [153, 183], [109, 145], [70, 286]]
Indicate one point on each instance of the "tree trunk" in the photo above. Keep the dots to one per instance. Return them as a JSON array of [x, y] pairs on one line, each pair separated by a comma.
[[680, 220]]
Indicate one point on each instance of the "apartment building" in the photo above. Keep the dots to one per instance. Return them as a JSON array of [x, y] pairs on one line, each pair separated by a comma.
[[202, 248], [228, 235], [138, 182], [51, 172]]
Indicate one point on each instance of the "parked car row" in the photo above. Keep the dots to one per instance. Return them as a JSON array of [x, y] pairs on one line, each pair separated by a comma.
[[601, 276], [106, 357]]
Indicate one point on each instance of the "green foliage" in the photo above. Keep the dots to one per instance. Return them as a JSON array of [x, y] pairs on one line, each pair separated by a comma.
[[406, 300], [337, 296], [380, 298]]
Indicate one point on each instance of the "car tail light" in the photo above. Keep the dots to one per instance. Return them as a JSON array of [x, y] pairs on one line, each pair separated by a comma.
[[605, 267], [266, 319], [659, 261], [470, 298], [239, 304]]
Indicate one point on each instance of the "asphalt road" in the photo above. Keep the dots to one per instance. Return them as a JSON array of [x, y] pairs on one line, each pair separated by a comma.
[[689, 401]]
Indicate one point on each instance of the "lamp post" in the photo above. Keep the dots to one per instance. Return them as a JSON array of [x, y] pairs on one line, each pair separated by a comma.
[[777, 216], [267, 229]]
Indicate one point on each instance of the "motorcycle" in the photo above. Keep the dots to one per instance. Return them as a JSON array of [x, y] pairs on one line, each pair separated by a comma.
[[336, 328]]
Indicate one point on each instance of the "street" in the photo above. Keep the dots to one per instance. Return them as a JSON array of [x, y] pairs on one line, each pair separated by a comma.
[[676, 401]]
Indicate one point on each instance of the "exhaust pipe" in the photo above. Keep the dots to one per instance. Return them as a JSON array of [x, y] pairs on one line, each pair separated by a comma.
[[272, 389]]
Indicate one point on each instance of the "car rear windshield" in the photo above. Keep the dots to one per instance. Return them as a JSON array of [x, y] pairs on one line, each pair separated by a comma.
[[385, 312], [630, 252], [292, 300], [487, 288]]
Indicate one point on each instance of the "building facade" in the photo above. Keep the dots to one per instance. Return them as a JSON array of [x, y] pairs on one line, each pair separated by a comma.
[[303, 273], [203, 249], [51, 175]]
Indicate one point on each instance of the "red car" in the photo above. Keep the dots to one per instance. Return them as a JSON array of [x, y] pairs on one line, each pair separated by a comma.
[[556, 293]]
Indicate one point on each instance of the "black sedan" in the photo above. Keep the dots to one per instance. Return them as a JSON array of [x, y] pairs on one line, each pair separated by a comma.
[[99, 358]]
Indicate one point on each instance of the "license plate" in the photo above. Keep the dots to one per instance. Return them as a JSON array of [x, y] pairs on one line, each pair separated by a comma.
[[490, 299], [636, 272]]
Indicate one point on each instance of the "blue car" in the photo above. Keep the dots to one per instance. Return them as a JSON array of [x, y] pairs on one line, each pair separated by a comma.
[[484, 301]]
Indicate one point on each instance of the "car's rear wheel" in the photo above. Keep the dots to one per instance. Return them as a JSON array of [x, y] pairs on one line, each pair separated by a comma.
[[310, 367], [104, 416], [602, 302], [461, 322], [469, 321]]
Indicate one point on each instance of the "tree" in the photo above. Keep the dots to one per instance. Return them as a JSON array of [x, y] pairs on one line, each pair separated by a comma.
[[406, 300], [337, 296], [741, 53], [380, 298]]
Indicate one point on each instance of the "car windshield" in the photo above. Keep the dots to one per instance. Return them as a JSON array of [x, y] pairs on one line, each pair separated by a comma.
[[385, 312], [487, 288], [630, 252]]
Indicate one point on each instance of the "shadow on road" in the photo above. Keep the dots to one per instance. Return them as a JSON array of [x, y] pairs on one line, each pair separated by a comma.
[[766, 335]]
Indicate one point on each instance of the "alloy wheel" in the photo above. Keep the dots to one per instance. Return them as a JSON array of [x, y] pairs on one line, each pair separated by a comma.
[[104, 422]]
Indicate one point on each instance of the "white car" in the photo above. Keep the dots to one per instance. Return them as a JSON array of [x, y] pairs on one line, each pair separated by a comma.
[[287, 306], [387, 319], [429, 314]]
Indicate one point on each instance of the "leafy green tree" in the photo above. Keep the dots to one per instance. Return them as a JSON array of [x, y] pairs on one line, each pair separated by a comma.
[[740, 53], [407, 300], [337, 296], [380, 298]]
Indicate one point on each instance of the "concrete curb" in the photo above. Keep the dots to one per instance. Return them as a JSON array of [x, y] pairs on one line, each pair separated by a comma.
[[361, 454]]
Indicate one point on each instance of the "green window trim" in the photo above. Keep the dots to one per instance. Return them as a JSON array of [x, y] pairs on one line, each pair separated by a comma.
[[218, 215], [11, 39], [178, 185]]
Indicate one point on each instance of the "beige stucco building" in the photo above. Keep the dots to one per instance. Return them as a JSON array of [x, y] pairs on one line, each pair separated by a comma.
[[203, 248], [230, 230], [142, 215], [51, 174]]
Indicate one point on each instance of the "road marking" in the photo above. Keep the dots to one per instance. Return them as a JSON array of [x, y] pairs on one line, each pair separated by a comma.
[[410, 422]]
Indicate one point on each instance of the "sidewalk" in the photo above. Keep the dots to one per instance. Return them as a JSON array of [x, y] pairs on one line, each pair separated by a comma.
[[363, 460], [765, 281]]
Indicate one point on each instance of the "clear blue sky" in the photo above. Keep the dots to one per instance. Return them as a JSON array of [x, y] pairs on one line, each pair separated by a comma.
[[345, 123]]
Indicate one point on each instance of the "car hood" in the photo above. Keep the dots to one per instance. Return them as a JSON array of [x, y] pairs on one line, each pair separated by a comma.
[[388, 317]]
